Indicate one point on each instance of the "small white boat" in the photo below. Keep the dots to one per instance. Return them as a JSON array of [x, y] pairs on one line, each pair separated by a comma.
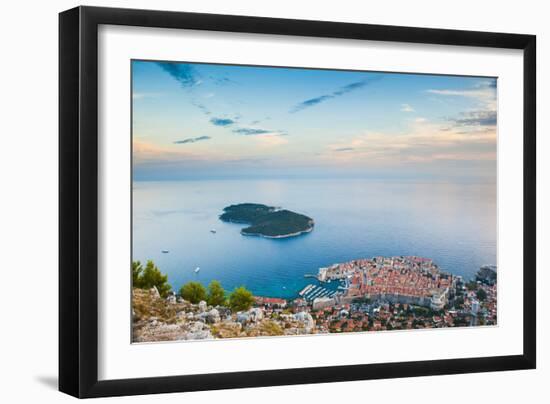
[[197, 269], [213, 231], [165, 251]]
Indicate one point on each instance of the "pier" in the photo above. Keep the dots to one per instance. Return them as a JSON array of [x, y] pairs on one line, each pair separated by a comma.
[[311, 292]]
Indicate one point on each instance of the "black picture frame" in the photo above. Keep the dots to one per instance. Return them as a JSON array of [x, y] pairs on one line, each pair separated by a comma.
[[78, 200]]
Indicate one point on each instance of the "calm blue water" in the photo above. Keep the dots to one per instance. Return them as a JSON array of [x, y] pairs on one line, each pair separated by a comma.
[[453, 223]]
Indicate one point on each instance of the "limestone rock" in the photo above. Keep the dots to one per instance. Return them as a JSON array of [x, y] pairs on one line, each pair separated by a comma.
[[154, 292], [243, 317], [213, 316], [255, 314]]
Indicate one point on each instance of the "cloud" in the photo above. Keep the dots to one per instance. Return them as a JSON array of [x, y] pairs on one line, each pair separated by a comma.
[[484, 92], [460, 93], [271, 140], [145, 152], [222, 81], [424, 142], [189, 76], [311, 102], [251, 131], [259, 131], [337, 93], [139, 96], [149, 153], [222, 121], [192, 140], [205, 110], [484, 113], [476, 118], [184, 73], [406, 108]]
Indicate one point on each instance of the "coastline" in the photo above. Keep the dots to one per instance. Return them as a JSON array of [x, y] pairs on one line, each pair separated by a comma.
[[381, 293], [309, 230]]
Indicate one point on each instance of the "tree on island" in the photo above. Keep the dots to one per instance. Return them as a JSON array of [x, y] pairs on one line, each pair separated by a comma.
[[193, 292], [148, 277], [216, 294], [241, 299]]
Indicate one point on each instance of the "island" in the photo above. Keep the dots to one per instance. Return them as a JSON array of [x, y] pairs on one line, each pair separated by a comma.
[[267, 221]]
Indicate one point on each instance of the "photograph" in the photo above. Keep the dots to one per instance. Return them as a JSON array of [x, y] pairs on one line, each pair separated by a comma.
[[272, 201]]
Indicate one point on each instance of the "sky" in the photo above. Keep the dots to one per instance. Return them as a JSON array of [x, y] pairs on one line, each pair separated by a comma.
[[198, 121]]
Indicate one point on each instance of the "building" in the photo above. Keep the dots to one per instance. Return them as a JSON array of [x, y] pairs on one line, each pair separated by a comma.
[[271, 302], [474, 309], [437, 302], [323, 302]]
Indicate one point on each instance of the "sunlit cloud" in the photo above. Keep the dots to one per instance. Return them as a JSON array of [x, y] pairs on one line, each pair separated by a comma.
[[424, 142], [486, 112], [146, 152], [484, 93], [271, 140]]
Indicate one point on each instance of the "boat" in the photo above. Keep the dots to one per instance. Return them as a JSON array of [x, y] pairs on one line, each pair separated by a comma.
[[197, 269], [213, 231], [165, 251]]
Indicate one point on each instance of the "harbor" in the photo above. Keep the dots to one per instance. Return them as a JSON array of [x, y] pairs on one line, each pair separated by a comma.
[[314, 291]]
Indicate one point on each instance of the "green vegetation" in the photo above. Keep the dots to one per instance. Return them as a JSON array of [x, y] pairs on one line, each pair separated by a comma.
[[245, 212], [487, 275], [193, 292], [421, 311], [216, 294], [271, 328], [472, 285], [145, 305], [267, 220], [148, 277], [481, 294], [240, 299]]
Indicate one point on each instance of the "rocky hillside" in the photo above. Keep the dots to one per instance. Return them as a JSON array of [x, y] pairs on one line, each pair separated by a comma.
[[170, 319]]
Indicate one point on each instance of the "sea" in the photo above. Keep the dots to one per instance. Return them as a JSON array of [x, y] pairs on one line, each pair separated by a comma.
[[453, 223]]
